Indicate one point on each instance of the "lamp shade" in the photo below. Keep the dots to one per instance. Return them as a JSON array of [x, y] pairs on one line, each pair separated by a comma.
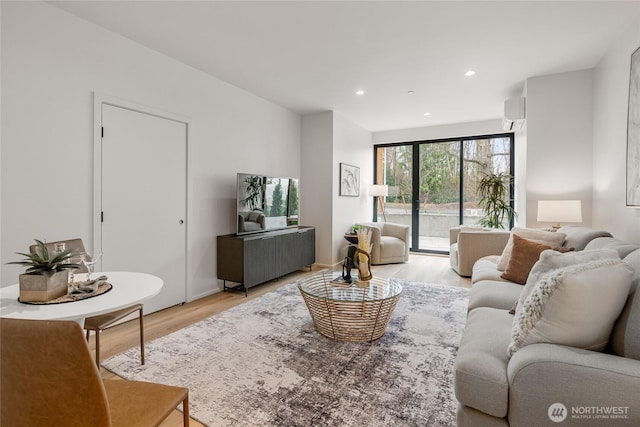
[[378, 190], [559, 211]]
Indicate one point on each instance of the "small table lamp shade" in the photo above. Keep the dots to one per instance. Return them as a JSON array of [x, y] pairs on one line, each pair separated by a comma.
[[558, 211], [378, 190]]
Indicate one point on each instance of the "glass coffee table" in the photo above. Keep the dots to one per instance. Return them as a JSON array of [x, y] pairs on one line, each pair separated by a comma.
[[356, 312]]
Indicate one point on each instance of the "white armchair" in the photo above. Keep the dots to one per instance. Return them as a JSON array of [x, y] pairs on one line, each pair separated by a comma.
[[390, 242], [470, 244]]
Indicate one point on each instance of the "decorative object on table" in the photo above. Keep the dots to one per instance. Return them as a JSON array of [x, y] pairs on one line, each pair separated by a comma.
[[633, 133], [362, 261], [87, 287], [559, 211], [378, 192], [494, 190], [47, 276], [293, 374], [362, 258], [349, 180], [347, 263], [73, 296], [347, 266]]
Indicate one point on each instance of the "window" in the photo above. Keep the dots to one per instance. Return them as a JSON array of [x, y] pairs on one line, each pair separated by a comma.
[[432, 184]]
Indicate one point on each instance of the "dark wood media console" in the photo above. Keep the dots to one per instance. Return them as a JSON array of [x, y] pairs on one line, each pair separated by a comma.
[[252, 259]]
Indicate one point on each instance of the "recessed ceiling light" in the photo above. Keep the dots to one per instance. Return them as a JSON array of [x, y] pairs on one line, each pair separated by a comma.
[[470, 73], [426, 114], [360, 92]]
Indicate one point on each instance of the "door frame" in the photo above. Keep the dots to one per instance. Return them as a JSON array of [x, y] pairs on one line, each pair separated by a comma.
[[415, 179], [100, 99]]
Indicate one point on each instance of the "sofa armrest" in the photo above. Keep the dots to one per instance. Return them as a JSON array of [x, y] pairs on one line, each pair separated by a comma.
[[473, 245], [585, 382]]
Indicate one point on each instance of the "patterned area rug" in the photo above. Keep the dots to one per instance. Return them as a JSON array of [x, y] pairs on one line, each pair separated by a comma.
[[263, 364]]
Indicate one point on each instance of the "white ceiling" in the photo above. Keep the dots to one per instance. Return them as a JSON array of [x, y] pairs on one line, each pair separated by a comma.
[[313, 56]]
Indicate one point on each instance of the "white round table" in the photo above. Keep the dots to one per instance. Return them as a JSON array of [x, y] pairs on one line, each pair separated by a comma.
[[128, 288]]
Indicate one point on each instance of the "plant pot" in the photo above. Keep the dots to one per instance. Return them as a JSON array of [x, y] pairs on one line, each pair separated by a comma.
[[42, 288]]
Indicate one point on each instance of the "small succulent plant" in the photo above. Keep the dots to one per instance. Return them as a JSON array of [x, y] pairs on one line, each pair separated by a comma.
[[43, 262]]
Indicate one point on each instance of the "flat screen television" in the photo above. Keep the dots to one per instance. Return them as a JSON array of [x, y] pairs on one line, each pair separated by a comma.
[[266, 203]]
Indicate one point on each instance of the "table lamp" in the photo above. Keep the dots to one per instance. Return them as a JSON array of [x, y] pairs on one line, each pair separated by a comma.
[[558, 211]]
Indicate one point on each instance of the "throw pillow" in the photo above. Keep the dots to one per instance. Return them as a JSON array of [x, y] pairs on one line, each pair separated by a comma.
[[552, 260], [550, 238], [524, 255], [574, 306], [253, 216]]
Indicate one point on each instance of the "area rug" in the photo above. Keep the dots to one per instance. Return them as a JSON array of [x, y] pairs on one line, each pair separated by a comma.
[[263, 364]]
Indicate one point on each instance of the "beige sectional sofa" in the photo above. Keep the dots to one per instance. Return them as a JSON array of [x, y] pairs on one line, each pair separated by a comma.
[[545, 383]]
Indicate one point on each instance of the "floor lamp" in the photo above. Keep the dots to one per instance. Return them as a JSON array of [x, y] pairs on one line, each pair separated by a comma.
[[379, 191]]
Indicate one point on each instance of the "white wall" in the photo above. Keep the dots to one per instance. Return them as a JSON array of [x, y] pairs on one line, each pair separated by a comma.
[[328, 140], [352, 145], [559, 141], [611, 93], [316, 178], [52, 62]]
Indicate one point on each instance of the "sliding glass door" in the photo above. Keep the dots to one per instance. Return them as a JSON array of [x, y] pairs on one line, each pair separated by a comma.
[[432, 184]]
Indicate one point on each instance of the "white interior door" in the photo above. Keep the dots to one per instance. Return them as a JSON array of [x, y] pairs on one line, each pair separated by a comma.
[[143, 205]]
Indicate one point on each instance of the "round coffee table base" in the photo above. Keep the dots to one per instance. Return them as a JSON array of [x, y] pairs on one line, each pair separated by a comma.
[[354, 321]]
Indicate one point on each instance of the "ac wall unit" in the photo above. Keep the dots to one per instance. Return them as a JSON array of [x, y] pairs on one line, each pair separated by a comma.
[[514, 114]]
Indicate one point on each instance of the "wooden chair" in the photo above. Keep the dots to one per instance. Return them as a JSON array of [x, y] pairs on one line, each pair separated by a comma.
[[103, 321], [48, 378]]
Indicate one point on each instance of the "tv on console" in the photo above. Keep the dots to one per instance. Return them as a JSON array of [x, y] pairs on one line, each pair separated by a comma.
[[266, 203]]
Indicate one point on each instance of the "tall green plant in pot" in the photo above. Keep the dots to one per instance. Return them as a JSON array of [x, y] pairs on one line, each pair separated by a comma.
[[46, 276], [495, 202]]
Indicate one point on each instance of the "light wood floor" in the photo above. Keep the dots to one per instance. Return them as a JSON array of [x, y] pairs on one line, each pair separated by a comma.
[[422, 268]]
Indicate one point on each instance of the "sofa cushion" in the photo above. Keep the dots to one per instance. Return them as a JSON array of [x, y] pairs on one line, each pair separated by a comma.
[[495, 294], [553, 260], [524, 255], [574, 306], [623, 248], [481, 363], [486, 269], [625, 338], [550, 238], [578, 237]]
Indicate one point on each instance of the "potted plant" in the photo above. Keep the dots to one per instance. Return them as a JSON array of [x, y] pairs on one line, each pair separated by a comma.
[[46, 276], [493, 190]]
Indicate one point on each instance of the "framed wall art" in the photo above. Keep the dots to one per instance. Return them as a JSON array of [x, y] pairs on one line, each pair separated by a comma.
[[349, 180], [633, 133]]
